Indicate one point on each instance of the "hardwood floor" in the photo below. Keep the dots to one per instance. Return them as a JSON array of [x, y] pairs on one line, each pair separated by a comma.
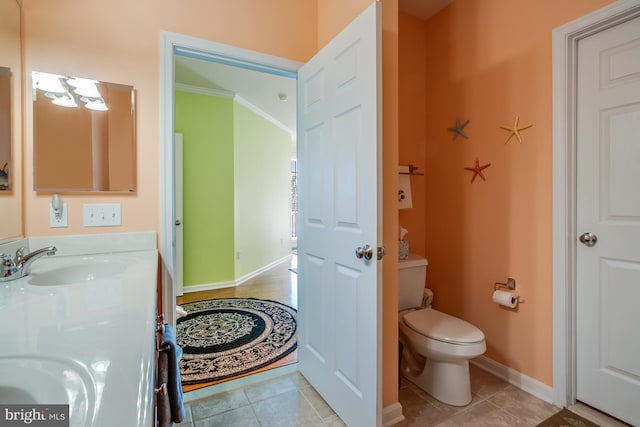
[[276, 284]]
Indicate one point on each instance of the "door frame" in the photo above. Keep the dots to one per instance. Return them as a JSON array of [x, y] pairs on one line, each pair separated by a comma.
[[178, 197], [172, 44], [565, 64]]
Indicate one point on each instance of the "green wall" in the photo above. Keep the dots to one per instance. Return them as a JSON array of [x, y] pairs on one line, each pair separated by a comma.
[[262, 162], [236, 189], [207, 127]]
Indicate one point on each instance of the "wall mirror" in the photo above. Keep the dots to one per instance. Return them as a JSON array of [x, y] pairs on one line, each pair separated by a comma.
[[84, 135], [5, 127], [10, 122]]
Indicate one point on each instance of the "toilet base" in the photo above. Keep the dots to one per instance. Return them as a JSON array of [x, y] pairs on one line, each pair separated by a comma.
[[448, 381]]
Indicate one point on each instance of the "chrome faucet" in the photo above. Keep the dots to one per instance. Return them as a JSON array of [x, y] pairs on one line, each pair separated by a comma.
[[15, 268]]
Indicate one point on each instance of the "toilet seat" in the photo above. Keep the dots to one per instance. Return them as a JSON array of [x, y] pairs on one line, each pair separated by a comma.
[[440, 326]]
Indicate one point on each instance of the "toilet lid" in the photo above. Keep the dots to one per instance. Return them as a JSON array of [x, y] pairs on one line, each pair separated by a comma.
[[442, 327]]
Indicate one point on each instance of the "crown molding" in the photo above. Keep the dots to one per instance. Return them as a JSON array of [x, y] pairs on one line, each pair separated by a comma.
[[221, 93]]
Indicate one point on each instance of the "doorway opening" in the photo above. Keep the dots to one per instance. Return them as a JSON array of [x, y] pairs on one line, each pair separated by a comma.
[[258, 93]]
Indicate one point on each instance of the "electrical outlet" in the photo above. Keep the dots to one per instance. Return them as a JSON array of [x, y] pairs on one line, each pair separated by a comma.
[[101, 215], [58, 221]]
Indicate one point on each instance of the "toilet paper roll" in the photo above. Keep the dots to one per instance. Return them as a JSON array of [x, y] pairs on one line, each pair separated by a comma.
[[507, 299], [404, 188]]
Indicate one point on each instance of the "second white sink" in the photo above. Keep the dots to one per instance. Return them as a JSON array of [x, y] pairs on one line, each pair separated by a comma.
[[37, 379]]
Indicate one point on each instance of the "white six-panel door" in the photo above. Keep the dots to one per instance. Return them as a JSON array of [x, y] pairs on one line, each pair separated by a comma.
[[608, 209], [339, 143]]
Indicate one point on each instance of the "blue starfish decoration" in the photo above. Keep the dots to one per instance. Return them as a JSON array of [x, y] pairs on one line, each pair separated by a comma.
[[459, 129]]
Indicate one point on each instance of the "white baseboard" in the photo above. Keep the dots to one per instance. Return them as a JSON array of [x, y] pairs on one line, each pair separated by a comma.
[[392, 414], [208, 286], [236, 282], [515, 378]]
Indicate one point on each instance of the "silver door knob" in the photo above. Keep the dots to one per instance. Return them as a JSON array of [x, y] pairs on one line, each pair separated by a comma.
[[588, 239], [365, 252]]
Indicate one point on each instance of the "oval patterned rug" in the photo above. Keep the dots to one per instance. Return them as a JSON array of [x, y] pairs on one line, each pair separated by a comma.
[[222, 338]]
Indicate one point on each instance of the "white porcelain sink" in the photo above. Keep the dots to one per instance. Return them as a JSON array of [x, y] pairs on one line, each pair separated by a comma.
[[79, 273], [36, 379], [79, 329]]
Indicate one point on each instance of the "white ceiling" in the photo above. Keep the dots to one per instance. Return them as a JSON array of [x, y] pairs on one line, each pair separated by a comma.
[[263, 90]]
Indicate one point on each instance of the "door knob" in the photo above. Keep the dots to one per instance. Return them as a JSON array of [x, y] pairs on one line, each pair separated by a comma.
[[588, 239], [178, 222], [365, 252]]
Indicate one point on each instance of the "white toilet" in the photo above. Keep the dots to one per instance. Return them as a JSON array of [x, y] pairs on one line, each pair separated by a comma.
[[436, 346]]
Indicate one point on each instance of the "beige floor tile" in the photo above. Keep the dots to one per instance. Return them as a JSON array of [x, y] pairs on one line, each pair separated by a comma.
[[317, 402], [286, 409], [418, 411], [239, 417], [448, 423], [334, 421], [266, 389], [523, 405], [483, 384], [218, 404], [485, 414]]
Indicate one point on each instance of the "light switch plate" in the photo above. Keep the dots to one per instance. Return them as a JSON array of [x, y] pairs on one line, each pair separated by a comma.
[[101, 215]]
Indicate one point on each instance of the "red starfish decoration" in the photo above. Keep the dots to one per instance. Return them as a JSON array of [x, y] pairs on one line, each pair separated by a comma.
[[477, 170]]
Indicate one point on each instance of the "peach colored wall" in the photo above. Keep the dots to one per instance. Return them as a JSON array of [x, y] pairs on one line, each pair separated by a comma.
[[412, 64], [333, 16], [487, 61], [119, 41]]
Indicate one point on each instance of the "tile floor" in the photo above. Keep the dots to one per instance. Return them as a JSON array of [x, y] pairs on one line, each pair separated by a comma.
[[281, 401], [283, 397]]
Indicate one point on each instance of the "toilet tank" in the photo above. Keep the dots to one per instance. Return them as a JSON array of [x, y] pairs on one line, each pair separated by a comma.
[[412, 273]]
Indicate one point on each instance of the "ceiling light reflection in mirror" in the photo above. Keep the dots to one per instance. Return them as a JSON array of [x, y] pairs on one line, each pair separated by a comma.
[[64, 91]]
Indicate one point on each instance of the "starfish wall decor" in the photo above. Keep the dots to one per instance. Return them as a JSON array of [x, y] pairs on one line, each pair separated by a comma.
[[477, 170], [459, 129], [515, 129]]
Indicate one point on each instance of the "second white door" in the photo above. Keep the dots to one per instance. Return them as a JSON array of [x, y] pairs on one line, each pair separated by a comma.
[[608, 221]]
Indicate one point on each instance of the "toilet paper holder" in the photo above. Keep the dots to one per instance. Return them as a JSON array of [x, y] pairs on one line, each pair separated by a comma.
[[511, 284]]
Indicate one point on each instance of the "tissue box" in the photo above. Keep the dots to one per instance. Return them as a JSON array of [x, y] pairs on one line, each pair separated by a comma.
[[403, 247]]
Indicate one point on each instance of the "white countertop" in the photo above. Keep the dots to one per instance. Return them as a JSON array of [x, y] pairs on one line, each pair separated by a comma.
[[102, 330]]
